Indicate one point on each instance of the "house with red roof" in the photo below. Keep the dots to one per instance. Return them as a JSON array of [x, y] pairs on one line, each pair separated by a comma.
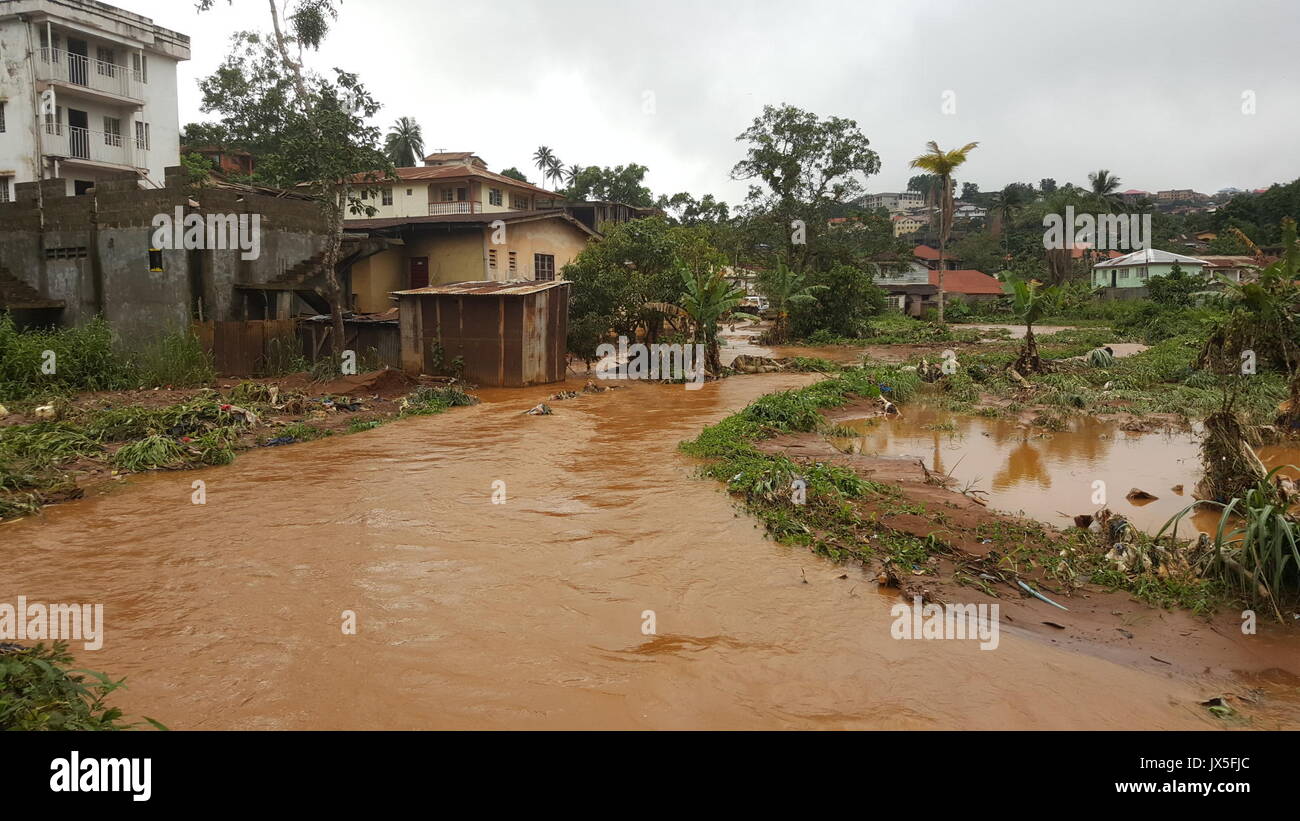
[[929, 257]]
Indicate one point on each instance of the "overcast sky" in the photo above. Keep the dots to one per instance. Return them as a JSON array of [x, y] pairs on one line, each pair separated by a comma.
[[1151, 90]]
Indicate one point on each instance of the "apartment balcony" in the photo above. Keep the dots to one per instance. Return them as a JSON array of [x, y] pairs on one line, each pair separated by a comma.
[[86, 75], [461, 207], [96, 148]]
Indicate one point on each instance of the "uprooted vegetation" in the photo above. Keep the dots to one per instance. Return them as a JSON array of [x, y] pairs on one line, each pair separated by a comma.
[[75, 444]]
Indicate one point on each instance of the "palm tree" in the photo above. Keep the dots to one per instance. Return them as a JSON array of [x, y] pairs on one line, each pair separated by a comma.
[[1006, 203], [555, 169], [571, 174], [708, 297], [404, 144], [1105, 188], [942, 164], [784, 287], [544, 158]]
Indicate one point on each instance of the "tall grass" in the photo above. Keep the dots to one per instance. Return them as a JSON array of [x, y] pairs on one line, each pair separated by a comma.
[[83, 360], [37, 364], [1255, 549], [175, 359]]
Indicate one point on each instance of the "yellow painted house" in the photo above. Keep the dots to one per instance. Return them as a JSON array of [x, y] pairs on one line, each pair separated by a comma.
[[453, 220]]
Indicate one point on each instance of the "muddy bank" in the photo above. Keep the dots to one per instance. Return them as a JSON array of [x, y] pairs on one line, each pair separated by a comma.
[[205, 425], [986, 552]]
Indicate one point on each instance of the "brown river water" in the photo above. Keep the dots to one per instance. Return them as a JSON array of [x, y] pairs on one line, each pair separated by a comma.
[[1049, 476], [527, 614]]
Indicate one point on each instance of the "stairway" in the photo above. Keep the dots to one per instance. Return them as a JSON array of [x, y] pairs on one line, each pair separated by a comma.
[[18, 295], [295, 279]]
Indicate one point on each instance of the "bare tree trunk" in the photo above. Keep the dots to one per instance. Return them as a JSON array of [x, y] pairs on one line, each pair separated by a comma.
[[332, 278]]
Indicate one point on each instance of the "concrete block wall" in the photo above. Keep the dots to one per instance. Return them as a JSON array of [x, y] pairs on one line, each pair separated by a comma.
[[43, 233]]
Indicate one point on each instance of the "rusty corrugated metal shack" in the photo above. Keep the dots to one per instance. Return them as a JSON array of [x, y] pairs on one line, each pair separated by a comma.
[[509, 334]]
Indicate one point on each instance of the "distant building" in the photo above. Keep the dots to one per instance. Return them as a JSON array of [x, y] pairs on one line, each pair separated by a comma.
[[970, 211], [1134, 195], [929, 257], [904, 224], [894, 202], [1136, 269], [227, 161]]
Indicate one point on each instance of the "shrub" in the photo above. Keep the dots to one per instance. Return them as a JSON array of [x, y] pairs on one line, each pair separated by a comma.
[[37, 692]]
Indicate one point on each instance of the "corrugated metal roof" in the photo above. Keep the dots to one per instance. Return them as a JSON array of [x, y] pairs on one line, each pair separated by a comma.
[[481, 218], [1148, 256], [510, 287], [967, 281]]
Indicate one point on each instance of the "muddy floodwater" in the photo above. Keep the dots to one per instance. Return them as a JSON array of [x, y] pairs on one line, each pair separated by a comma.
[[1049, 476], [536, 613]]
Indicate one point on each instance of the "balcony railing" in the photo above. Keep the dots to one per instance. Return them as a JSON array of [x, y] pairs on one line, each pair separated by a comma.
[[95, 146], [55, 64], [461, 207]]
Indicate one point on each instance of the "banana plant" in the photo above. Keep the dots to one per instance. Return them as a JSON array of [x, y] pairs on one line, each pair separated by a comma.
[[783, 287], [708, 296]]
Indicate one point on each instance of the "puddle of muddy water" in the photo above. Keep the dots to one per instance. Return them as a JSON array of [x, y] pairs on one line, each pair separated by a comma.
[[1048, 476]]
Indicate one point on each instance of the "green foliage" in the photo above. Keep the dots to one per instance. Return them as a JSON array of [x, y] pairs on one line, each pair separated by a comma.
[[1176, 288], [151, 452], [39, 692], [404, 143], [428, 400], [620, 184], [84, 359], [175, 359], [844, 307], [1256, 547], [638, 263]]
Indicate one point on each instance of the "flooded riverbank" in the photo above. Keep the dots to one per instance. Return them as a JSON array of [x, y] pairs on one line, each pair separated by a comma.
[[530, 614], [1049, 475]]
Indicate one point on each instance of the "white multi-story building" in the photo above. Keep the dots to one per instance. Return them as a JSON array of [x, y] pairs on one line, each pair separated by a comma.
[[86, 90], [895, 203]]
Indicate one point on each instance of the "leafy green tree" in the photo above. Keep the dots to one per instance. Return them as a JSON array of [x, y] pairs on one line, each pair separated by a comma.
[[844, 309], [785, 287], [636, 263], [515, 174], [803, 168], [687, 210], [545, 160], [1176, 288], [970, 191], [204, 135], [622, 183], [1047, 185], [1105, 189], [942, 164], [306, 130], [404, 144], [1266, 210]]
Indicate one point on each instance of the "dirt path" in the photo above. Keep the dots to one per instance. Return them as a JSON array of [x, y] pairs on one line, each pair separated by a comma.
[[527, 614]]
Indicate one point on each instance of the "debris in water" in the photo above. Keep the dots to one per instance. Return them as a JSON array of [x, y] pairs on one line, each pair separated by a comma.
[[1139, 495], [542, 409], [1040, 596]]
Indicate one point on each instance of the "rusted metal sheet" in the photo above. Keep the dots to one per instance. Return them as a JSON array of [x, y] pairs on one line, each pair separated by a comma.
[[510, 287], [243, 347], [375, 343], [503, 338]]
